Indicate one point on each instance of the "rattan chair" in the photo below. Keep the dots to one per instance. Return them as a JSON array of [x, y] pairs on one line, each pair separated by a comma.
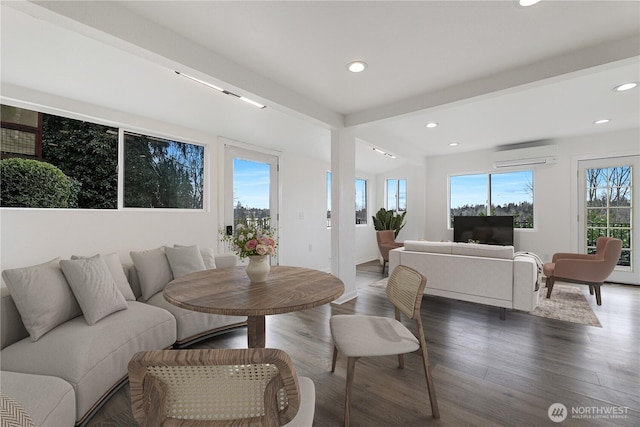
[[221, 387], [357, 336]]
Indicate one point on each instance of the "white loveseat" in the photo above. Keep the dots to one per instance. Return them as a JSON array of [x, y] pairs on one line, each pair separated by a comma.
[[485, 274]]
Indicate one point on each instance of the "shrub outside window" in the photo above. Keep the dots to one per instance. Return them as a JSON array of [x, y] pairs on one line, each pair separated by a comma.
[[85, 152]]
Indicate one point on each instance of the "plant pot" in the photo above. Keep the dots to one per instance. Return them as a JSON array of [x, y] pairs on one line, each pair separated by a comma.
[[258, 268]]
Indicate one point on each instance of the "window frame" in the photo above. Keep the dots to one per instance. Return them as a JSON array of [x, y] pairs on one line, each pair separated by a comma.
[[366, 201], [488, 201], [122, 170], [397, 197], [121, 129]]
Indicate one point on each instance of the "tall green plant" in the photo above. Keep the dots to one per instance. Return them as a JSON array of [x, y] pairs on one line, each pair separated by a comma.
[[389, 220]]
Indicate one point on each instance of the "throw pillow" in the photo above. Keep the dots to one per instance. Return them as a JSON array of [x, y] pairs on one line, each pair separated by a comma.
[[42, 296], [184, 260], [153, 270], [208, 257], [94, 287], [117, 272]]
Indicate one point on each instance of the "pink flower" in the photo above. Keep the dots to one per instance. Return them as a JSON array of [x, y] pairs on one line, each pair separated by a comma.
[[251, 245]]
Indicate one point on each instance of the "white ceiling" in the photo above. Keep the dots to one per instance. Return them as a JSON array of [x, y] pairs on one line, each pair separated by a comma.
[[490, 72]]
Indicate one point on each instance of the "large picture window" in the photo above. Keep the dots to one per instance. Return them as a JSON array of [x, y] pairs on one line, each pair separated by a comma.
[[161, 173], [85, 152], [501, 194], [158, 172]]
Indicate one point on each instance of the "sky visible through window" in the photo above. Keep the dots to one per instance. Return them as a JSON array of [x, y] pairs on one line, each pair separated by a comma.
[[506, 187], [251, 183]]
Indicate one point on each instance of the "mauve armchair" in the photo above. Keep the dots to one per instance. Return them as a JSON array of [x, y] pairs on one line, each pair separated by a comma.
[[588, 269], [386, 242]]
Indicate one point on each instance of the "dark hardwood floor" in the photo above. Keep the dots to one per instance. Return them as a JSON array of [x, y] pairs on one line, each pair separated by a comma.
[[487, 372]]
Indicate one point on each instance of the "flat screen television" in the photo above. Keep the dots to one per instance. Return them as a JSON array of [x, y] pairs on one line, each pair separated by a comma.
[[491, 230]]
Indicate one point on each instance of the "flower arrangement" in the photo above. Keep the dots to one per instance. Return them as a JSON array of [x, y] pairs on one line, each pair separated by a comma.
[[250, 239]]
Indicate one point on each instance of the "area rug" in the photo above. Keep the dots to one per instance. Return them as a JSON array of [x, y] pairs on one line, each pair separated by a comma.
[[567, 303]]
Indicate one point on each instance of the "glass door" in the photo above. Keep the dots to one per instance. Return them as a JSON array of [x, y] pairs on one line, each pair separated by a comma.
[[251, 189], [609, 196]]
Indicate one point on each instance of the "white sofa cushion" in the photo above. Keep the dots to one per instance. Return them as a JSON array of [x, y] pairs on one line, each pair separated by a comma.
[[480, 250], [42, 295], [427, 246], [49, 401], [93, 359], [94, 287], [190, 324]]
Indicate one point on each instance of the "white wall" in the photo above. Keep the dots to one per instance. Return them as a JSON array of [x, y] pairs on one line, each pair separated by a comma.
[[305, 239], [555, 199], [416, 222], [31, 236]]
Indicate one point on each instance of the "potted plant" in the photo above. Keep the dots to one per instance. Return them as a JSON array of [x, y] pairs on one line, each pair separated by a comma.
[[389, 220]]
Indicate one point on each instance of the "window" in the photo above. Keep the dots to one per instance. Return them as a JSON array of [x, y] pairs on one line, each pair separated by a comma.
[[87, 153], [161, 173], [609, 208], [397, 195], [158, 173], [361, 201], [21, 133], [501, 194]]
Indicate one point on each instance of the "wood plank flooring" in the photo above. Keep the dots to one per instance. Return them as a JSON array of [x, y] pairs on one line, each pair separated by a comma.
[[487, 372]]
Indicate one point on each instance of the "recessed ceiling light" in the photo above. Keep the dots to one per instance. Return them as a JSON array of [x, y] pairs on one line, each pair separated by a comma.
[[525, 3], [625, 86], [356, 66], [431, 125], [453, 144], [602, 121]]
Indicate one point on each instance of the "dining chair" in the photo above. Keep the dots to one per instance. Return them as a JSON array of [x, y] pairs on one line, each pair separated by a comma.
[[219, 387], [588, 269], [357, 336]]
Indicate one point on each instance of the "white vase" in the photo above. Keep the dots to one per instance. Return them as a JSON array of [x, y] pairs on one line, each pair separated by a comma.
[[258, 268]]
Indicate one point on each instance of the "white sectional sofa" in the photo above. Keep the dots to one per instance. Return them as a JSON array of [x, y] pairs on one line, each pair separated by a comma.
[[485, 274], [61, 360]]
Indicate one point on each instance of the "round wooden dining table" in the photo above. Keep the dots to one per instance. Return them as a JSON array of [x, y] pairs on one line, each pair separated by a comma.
[[229, 291]]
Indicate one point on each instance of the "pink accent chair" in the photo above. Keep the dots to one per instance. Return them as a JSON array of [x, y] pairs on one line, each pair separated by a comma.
[[386, 242], [588, 269]]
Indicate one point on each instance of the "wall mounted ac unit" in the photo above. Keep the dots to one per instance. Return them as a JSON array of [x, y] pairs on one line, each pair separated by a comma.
[[533, 161], [536, 155]]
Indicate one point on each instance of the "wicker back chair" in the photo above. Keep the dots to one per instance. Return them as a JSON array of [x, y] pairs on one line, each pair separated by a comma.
[[221, 387], [357, 336]]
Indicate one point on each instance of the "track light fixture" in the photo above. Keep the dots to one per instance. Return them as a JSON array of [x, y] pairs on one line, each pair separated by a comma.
[[219, 89]]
